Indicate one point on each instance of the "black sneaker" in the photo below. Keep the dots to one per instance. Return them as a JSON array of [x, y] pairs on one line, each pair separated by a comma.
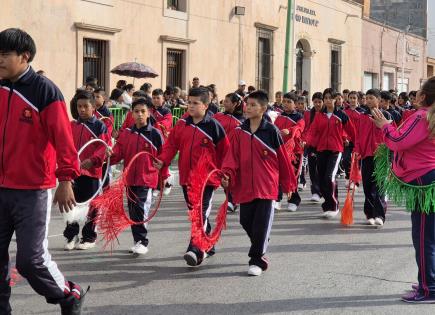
[[73, 302], [191, 258]]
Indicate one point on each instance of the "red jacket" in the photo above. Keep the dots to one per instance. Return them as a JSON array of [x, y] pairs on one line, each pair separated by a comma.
[[192, 141], [354, 115], [104, 114], [229, 121], [328, 133], [163, 120], [407, 113], [133, 141], [83, 132], [258, 163], [128, 121], [295, 123], [36, 143], [369, 136], [309, 116]]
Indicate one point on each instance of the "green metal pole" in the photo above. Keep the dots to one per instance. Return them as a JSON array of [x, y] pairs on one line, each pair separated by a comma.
[[288, 45]]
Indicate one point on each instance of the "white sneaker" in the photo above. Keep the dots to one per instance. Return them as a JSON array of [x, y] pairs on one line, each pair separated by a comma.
[[254, 270], [301, 187], [167, 190], [277, 205], [85, 245], [323, 214], [292, 207], [379, 222], [71, 245], [139, 249], [156, 192], [315, 198], [371, 221], [331, 214]]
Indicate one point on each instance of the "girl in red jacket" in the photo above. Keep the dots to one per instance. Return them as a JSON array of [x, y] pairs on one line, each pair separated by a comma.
[[256, 165], [144, 176], [413, 165], [327, 134]]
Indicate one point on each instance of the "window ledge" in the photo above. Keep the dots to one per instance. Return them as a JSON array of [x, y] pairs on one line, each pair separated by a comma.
[[167, 38], [180, 15], [99, 28], [265, 26]]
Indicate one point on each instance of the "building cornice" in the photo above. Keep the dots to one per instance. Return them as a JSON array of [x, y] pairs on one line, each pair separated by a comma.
[[167, 38], [98, 28], [265, 26]]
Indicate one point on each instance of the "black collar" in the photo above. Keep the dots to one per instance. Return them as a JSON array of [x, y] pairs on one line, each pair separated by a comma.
[[247, 124], [206, 119], [146, 128], [91, 120]]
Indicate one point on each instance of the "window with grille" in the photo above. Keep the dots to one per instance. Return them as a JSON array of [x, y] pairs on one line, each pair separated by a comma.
[[336, 67], [94, 60], [174, 67], [264, 59], [177, 5]]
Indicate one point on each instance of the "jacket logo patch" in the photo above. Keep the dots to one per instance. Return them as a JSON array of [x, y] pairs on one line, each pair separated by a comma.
[[205, 142], [26, 116], [147, 145]]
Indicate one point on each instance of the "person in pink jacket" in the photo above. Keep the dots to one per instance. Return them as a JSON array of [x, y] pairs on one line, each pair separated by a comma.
[[413, 165]]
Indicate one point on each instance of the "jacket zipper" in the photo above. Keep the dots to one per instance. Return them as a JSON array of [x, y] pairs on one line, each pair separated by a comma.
[[4, 132], [191, 147], [327, 134], [135, 165]]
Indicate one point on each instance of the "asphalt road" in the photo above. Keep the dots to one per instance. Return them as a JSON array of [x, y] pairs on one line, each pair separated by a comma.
[[317, 267]]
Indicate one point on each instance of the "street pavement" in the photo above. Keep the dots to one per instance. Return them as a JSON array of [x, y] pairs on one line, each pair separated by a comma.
[[317, 267]]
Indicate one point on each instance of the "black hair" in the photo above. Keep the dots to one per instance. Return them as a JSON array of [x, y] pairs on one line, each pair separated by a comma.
[[353, 93], [346, 91], [146, 87], [195, 78], [385, 95], [92, 85], [374, 92], [120, 84], [305, 93], [404, 95], [260, 96], [157, 92], [202, 93], [329, 91], [91, 79], [338, 94], [115, 94], [15, 39], [139, 93], [140, 101], [413, 93], [40, 72], [128, 87], [100, 91], [393, 99], [251, 88], [291, 96], [301, 99], [85, 95], [318, 96], [278, 93], [236, 98]]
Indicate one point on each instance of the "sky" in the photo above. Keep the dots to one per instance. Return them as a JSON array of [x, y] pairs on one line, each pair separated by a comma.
[[431, 28]]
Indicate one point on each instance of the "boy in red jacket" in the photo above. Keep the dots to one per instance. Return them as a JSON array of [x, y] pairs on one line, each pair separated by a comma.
[[36, 148], [141, 136], [84, 129], [257, 145], [367, 141], [193, 137], [161, 114], [291, 124]]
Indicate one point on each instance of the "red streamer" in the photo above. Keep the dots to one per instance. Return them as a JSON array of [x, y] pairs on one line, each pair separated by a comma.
[[355, 178], [113, 219]]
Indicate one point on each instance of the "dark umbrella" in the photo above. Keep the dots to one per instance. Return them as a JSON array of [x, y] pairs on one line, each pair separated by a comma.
[[135, 70]]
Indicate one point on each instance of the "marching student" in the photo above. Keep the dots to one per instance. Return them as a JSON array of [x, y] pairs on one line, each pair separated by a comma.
[[277, 106], [84, 129], [194, 137], [230, 120], [327, 134], [143, 177], [33, 111], [291, 125], [385, 105], [366, 142], [311, 152], [257, 145], [413, 145]]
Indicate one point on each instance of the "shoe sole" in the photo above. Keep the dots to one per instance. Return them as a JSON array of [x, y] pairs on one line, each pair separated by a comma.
[[191, 261], [418, 302]]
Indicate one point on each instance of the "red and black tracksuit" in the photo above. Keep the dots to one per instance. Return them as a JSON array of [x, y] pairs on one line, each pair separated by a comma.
[[163, 120], [354, 115], [36, 146], [311, 153], [295, 124], [88, 183], [143, 177], [366, 143], [193, 141], [253, 189], [327, 133]]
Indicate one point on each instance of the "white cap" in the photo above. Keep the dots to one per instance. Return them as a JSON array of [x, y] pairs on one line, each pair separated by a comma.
[[241, 82]]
